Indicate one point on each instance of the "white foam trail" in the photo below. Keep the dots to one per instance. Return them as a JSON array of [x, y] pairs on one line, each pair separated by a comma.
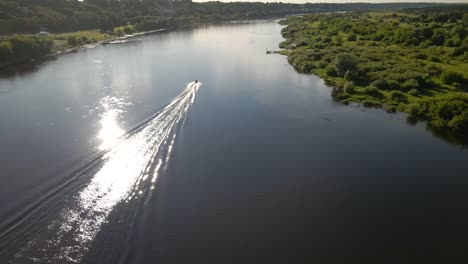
[[121, 176]]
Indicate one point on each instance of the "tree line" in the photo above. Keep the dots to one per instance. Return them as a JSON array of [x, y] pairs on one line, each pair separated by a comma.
[[28, 16]]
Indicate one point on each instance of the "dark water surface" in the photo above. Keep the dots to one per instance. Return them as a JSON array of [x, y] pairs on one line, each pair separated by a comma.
[[258, 165]]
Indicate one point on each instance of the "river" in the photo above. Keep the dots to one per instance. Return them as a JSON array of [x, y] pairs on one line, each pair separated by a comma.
[[115, 155]]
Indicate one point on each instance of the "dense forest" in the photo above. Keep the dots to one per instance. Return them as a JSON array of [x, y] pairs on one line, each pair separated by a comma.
[[28, 16], [413, 60]]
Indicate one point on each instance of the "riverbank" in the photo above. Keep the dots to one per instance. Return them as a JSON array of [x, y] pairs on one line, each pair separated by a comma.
[[20, 50], [397, 61]]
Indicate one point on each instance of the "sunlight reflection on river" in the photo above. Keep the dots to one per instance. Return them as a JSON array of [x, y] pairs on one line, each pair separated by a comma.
[[110, 129]]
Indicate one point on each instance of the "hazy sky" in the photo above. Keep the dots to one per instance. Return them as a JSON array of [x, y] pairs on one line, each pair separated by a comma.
[[346, 1]]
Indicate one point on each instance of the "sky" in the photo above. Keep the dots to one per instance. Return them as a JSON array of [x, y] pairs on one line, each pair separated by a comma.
[[346, 1]]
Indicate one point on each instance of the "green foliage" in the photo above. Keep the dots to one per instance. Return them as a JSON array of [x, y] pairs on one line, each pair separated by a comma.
[[349, 76], [448, 112], [349, 88], [381, 84], [398, 96], [450, 77], [72, 41], [18, 49], [128, 30], [344, 63], [372, 91], [330, 71], [409, 62], [352, 37], [410, 84], [414, 92]]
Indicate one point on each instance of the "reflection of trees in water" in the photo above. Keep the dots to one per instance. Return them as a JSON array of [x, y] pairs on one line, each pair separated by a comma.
[[24, 69], [457, 138]]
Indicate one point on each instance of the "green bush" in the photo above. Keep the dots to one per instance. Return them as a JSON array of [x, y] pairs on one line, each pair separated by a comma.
[[449, 77], [413, 92], [413, 110], [371, 103], [372, 91], [420, 56], [433, 70], [322, 65], [72, 41], [398, 96], [128, 30], [410, 84], [330, 71], [393, 85], [351, 37], [451, 112], [381, 84], [433, 59]]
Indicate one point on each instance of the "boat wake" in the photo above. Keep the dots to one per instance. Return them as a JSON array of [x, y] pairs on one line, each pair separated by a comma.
[[126, 172]]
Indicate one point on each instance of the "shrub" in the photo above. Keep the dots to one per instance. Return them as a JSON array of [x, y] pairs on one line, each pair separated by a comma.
[[128, 30], [410, 84], [420, 56], [433, 70], [330, 71], [381, 84], [433, 59], [393, 85], [119, 32], [371, 103], [72, 41], [352, 37], [327, 39], [449, 77], [413, 109], [451, 112], [372, 91], [349, 87], [458, 51], [322, 64], [398, 96], [413, 92]]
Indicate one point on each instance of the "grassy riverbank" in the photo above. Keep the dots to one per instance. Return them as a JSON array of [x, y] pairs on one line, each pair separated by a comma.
[[414, 61]]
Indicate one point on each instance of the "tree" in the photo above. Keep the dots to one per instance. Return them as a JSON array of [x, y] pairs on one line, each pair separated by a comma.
[[344, 63]]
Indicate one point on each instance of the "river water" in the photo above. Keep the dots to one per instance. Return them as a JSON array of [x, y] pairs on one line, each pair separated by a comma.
[[115, 155]]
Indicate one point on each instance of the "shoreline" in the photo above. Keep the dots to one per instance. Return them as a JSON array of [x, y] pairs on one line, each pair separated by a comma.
[[17, 66]]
